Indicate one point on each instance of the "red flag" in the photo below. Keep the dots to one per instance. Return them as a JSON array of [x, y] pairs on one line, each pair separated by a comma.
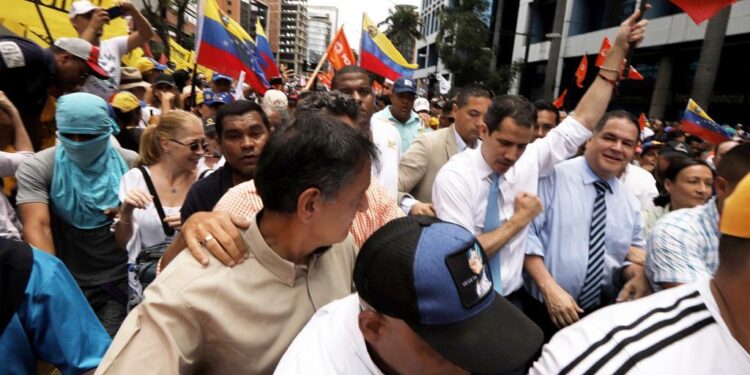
[[561, 100], [642, 121], [701, 10], [634, 75], [606, 45], [581, 71], [339, 52]]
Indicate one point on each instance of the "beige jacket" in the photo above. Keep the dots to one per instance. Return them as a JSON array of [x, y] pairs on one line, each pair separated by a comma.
[[421, 163], [221, 320]]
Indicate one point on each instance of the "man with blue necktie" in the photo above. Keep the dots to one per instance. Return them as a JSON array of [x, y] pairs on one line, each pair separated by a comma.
[[489, 190], [575, 255]]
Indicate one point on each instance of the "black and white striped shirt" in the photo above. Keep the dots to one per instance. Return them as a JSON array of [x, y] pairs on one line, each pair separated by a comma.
[[677, 331]]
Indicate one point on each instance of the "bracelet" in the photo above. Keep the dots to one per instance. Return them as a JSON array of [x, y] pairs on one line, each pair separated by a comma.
[[606, 69], [610, 81]]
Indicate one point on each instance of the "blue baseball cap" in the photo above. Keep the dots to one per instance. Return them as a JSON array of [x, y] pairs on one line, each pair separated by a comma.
[[210, 97], [218, 76], [435, 276], [405, 85]]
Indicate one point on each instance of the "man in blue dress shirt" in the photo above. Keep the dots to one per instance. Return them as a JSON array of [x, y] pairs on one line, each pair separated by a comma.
[[575, 256]]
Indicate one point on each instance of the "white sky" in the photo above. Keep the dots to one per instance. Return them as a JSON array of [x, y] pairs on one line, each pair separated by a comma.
[[350, 14]]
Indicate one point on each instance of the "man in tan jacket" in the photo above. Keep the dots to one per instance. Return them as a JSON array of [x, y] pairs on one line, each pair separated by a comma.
[[312, 178], [429, 152]]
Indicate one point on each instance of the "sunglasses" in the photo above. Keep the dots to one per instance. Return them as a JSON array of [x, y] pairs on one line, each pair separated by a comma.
[[194, 146]]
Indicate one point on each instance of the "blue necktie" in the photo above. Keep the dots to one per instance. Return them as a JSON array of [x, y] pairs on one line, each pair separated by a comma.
[[492, 222], [592, 285]]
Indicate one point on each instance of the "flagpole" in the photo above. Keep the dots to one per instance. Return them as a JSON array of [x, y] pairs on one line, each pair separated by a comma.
[[44, 22], [315, 72]]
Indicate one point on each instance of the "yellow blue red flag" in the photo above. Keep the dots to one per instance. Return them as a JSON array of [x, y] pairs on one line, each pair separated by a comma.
[[378, 55], [696, 122], [222, 45], [265, 54]]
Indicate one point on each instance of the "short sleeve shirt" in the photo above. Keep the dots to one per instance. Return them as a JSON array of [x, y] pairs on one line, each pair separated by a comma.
[[110, 52], [90, 254]]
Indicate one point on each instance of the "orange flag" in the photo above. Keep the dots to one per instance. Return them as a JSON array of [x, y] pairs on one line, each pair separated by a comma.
[[581, 71], [339, 52], [606, 45], [561, 100], [325, 79], [642, 121], [377, 88], [634, 75]]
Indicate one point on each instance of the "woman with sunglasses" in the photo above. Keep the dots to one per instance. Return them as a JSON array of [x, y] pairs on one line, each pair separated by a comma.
[[168, 157]]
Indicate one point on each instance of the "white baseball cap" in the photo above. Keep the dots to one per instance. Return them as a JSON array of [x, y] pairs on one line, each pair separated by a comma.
[[421, 104], [84, 51], [275, 99], [81, 7]]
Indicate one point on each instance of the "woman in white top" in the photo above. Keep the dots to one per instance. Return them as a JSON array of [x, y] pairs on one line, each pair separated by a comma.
[[169, 153], [687, 182]]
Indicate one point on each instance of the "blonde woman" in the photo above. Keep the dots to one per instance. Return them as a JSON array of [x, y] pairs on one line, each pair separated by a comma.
[[153, 192]]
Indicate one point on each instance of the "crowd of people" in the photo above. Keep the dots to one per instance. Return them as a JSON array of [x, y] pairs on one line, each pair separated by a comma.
[[167, 224]]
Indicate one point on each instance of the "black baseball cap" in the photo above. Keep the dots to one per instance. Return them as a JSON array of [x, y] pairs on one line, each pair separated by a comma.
[[434, 276], [675, 148]]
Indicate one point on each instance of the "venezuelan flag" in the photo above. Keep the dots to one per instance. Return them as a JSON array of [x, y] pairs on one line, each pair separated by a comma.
[[378, 55], [264, 52], [224, 46], [696, 121]]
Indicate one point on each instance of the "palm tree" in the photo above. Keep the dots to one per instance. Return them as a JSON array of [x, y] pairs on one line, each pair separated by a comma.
[[403, 29], [710, 57]]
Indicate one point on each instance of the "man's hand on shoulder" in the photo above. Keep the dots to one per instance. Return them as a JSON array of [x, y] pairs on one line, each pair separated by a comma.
[[219, 233]]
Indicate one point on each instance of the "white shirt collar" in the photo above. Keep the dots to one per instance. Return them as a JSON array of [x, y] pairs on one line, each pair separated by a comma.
[[461, 146]]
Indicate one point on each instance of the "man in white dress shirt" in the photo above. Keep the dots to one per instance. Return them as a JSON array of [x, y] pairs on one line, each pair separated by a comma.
[[462, 187], [355, 81]]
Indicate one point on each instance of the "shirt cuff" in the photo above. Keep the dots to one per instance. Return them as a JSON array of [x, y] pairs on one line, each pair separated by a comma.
[[407, 202]]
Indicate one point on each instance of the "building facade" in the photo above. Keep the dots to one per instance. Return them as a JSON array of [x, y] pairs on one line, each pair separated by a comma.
[[293, 34], [667, 58], [320, 30], [427, 51]]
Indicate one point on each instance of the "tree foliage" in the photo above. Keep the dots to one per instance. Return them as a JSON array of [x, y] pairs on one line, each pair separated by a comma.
[[463, 46], [462, 41], [403, 28]]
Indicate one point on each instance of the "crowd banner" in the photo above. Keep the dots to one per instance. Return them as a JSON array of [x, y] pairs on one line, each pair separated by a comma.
[[24, 17]]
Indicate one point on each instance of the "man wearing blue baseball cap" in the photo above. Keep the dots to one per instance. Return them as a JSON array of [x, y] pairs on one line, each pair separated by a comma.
[[425, 305], [212, 101], [400, 113], [221, 83]]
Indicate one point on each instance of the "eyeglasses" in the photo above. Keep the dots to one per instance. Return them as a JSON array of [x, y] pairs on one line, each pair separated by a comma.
[[194, 146]]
